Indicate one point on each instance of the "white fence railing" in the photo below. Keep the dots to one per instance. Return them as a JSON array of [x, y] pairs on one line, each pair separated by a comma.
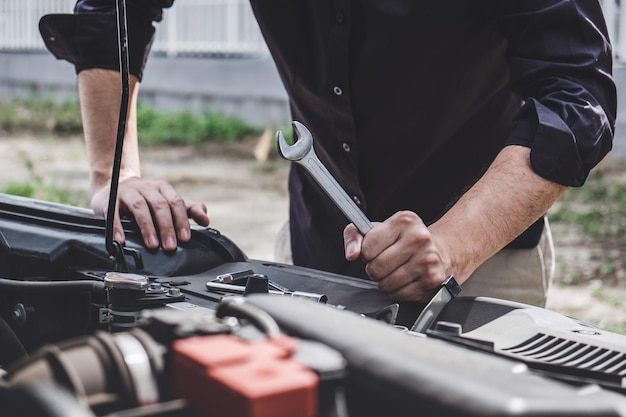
[[209, 27], [200, 27], [615, 16], [206, 27]]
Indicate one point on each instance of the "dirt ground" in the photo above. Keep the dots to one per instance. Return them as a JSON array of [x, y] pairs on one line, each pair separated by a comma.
[[247, 201]]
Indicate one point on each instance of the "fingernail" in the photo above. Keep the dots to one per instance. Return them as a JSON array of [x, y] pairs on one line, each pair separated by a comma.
[[351, 249], [119, 237], [170, 243], [185, 235], [153, 242]]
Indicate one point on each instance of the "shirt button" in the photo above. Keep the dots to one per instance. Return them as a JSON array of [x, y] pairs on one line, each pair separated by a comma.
[[337, 90], [346, 147], [340, 17], [356, 200]]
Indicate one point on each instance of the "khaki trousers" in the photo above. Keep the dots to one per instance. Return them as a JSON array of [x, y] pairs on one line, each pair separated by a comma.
[[522, 275]]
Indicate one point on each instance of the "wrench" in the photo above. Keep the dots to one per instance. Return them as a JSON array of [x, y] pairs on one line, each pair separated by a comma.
[[302, 152]]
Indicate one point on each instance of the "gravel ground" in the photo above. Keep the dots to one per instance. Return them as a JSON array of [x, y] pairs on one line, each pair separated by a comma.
[[247, 202]]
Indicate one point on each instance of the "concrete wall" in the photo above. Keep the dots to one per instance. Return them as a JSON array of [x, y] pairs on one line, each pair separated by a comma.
[[619, 143], [247, 88]]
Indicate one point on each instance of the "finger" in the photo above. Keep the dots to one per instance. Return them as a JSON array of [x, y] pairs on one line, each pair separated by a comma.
[[136, 205], [99, 205], [401, 239], [179, 216], [198, 212], [407, 250], [352, 242], [415, 291], [389, 233], [118, 230], [426, 271], [161, 216]]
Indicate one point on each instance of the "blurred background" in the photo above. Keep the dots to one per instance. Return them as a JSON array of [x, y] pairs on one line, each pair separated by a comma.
[[208, 55]]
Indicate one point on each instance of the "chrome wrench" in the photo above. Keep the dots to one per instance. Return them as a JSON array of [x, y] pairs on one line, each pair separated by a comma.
[[302, 152]]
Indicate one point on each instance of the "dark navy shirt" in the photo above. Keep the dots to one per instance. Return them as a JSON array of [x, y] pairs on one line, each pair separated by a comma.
[[410, 101]]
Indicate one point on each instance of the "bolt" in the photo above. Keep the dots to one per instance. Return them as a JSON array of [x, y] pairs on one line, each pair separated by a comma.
[[19, 314], [173, 292]]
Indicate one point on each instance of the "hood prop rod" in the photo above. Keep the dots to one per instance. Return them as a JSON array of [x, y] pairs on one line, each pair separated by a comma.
[[117, 252]]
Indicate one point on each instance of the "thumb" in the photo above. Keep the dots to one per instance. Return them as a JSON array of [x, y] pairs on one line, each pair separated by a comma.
[[99, 205], [118, 229], [352, 240]]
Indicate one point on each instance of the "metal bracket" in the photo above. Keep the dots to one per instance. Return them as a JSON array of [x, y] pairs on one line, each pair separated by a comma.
[[104, 316], [447, 291]]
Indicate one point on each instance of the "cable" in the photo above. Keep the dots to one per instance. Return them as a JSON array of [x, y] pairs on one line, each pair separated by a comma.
[[238, 307]]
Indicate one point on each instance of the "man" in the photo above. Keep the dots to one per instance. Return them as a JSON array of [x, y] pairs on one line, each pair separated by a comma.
[[454, 125]]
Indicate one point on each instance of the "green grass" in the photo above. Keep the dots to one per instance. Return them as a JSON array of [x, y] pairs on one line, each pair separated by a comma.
[[44, 115], [598, 208], [287, 131], [40, 115], [44, 192], [186, 128], [597, 211], [35, 187]]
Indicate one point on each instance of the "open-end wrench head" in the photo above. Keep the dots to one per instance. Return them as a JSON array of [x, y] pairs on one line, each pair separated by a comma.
[[302, 146]]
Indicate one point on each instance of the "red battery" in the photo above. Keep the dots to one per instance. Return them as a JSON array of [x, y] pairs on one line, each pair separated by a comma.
[[224, 376]]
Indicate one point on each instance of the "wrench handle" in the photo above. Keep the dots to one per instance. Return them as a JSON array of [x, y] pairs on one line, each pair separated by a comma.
[[336, 193]]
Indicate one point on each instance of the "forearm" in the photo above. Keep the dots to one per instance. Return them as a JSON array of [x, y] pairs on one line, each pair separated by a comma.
[[501, 205], [100, 94]]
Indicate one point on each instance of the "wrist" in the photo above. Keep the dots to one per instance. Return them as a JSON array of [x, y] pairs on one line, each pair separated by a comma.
[[456, 255], [102, 180]]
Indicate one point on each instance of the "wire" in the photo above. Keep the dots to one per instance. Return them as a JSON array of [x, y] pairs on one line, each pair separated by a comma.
[[238, 307]]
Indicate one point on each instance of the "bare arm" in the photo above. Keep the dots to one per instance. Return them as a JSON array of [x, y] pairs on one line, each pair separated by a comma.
[[162, 214], [99, 93], [504, 203], [408, 260]]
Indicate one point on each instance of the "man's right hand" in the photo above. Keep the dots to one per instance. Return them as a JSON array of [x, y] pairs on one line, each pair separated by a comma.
[[160, 212]]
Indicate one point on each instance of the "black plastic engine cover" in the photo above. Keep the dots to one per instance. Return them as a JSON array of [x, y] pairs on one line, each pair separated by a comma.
[[398, 373], [42, 239]]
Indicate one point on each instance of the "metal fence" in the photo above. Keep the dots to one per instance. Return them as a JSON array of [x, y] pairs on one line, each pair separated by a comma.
[[615, 16], [206, 27], [191, 27]]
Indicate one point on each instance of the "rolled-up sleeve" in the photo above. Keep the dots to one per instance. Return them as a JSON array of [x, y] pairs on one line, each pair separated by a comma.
[[561, 66], [88, 38]]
